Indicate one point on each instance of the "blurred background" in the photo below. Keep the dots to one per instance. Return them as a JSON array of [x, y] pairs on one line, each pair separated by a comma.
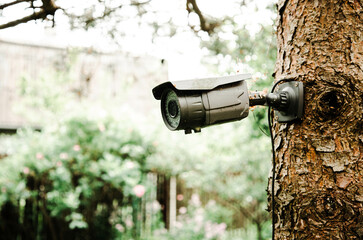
[[84, 153]]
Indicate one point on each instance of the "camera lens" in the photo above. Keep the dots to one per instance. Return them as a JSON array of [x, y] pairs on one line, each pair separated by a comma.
[[173, 109], [170, 109]]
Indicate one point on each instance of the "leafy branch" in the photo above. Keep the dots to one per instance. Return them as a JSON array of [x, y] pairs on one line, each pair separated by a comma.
[[48, 8]]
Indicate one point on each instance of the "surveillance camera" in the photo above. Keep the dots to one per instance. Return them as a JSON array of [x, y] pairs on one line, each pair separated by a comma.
[[194, 104]]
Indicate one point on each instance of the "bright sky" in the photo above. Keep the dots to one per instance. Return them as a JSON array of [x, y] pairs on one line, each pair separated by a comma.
[[182, 52]]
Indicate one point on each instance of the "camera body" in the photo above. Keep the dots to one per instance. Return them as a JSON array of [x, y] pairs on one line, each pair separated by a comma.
[[194, 104]]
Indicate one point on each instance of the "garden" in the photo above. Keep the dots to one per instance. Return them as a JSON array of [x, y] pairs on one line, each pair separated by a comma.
[[99, 166]]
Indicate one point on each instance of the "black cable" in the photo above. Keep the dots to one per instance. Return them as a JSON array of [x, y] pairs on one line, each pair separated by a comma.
[[270, 122], [273, 173]]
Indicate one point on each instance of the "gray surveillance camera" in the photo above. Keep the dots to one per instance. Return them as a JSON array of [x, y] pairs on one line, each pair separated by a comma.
[[194, 104]]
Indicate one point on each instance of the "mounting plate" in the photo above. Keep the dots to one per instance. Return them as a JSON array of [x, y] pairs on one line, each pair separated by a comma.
[[295, 107]]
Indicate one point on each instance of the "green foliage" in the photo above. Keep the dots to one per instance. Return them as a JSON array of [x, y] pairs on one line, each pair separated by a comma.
[[223, 164], [82, 174], [236, 49], [218, 213], [240, 159], [78, 171], [194, 222]]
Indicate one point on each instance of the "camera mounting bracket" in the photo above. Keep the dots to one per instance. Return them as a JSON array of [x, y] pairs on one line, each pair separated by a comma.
[[287, 101]]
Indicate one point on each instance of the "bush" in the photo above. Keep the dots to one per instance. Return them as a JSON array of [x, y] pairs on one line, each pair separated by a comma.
[[69, 181]]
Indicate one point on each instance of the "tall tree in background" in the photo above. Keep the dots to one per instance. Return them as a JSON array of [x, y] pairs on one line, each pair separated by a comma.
[[319, 170]]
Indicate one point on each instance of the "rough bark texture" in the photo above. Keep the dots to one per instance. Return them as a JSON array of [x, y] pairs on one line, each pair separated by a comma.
[[318, 188]]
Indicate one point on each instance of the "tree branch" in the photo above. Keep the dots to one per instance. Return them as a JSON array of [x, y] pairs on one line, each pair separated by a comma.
[[90, 21], [204, 24], [136, 3], [34, 16], [48, 8], [5, 5]]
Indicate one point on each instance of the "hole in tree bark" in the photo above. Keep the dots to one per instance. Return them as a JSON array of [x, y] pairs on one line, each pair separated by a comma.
[[330, 105], [341, 106]]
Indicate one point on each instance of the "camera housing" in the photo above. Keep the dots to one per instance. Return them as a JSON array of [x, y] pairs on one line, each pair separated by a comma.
[[194, 104]]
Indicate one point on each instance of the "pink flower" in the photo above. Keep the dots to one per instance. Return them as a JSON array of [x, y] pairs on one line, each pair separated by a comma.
[[63, 156], [129, 223], [195, 201], [119, 227], [178, 225], [76, 147], [183, 210], [199, 220], [222, 227], [156, 205], [179, 197], [139, 190], [26, 170], [3, 189], [39, 156], [58, 164], [208, 235], [129, 165], [209, 231], [101, 127]]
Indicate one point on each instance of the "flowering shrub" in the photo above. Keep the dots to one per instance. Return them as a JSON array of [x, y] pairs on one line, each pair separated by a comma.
[[72, 179]]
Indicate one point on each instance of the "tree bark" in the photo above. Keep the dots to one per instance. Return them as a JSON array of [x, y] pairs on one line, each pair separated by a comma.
[[318, 187]]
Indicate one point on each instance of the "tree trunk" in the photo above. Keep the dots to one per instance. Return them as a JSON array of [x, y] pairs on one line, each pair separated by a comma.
[[318, 187]]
